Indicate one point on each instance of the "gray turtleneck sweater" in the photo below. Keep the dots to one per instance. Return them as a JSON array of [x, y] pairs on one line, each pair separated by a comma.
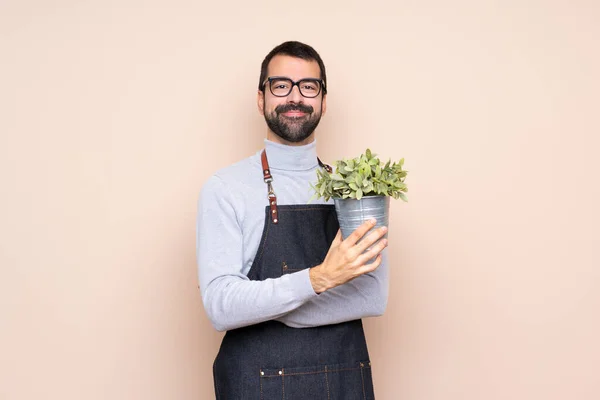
[[231, 212]]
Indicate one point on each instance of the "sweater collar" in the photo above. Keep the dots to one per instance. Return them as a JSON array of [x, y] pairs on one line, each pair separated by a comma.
[[291, 158]]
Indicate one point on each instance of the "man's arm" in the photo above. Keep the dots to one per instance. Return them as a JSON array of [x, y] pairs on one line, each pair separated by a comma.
[[230, 299], [365, 296]]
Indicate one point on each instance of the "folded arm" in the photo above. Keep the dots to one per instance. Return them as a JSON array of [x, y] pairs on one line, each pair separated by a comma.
[[230, 299], [365, 296]]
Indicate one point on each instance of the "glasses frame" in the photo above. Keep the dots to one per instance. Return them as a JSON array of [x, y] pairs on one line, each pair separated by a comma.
[[322, 87]]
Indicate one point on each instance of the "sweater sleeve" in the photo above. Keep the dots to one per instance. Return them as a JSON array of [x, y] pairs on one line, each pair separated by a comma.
[[365, 296], [230, 299]]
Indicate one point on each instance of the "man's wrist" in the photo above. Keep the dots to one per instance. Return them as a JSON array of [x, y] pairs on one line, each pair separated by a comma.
[[317, 280]]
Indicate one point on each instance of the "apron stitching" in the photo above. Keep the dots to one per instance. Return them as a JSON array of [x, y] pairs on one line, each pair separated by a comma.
[[314, 372], [261, 389], [282, 384], [362, 377], [327, 383]]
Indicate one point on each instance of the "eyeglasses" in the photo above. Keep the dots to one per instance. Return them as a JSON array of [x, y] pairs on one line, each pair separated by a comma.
[[281, 86]]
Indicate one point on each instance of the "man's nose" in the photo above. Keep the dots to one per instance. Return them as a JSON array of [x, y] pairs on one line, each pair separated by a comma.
[[295, 95]]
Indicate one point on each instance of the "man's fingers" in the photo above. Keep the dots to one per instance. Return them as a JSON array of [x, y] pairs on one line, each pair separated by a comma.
[[360, 232], [372, 252], [365, 269], [370, 239]]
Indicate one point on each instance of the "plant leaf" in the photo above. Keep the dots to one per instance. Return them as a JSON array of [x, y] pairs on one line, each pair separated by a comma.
[[358, 180], [361, 176]]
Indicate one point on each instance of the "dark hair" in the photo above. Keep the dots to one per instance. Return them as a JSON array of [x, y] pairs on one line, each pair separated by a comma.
[[293, 49]]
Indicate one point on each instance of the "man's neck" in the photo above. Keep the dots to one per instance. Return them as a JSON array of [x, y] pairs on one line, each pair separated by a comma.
[[291, 158]]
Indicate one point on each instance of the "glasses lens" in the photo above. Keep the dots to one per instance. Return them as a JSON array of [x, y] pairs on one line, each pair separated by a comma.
[[309, 88], [281, 86]]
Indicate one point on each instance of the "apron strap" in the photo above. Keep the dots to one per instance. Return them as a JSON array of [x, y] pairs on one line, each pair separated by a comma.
[[327, 167], [268, 179]]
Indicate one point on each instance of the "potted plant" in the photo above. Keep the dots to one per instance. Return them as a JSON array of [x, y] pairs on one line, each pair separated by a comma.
[[361, 189]]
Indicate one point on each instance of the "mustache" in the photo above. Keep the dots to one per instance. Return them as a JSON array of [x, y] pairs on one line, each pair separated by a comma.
[[305, 108]]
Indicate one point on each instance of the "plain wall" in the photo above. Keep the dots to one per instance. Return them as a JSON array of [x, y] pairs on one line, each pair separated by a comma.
[[114, 113]]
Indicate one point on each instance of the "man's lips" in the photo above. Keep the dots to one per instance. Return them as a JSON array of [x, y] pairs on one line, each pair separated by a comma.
[[294, 113]]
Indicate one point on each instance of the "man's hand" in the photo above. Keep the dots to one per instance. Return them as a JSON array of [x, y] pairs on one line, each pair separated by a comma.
[[347, 259]]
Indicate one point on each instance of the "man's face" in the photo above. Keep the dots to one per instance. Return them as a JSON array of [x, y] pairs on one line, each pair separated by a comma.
[[293, 118]]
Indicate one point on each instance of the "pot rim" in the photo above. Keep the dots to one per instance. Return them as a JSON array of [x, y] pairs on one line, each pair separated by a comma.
[[364, 197]]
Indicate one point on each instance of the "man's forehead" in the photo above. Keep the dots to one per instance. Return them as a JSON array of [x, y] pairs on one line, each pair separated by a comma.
[[293, 67]]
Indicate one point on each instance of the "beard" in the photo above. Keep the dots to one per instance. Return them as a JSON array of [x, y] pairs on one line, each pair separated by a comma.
[[295, 129]]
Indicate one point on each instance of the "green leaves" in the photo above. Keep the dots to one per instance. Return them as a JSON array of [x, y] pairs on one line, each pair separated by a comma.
[[359, 194], [362, 176]]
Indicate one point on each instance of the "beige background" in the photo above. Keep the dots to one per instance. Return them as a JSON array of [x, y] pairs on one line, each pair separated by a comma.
[[113, 114]]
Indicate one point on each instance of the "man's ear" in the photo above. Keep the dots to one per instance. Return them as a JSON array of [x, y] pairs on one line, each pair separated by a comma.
[[260, 102], [324, 105]]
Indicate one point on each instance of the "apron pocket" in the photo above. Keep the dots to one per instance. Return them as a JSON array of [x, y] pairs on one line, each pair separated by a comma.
[[287, 269], [350, 381]]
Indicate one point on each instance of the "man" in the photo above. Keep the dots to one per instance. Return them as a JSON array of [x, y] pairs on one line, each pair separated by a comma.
[[274, 271]]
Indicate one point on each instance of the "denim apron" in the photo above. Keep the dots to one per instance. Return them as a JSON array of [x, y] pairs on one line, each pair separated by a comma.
[[270, 360]]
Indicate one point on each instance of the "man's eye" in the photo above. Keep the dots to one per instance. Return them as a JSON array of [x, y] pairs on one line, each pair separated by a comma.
[[280, 84]]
